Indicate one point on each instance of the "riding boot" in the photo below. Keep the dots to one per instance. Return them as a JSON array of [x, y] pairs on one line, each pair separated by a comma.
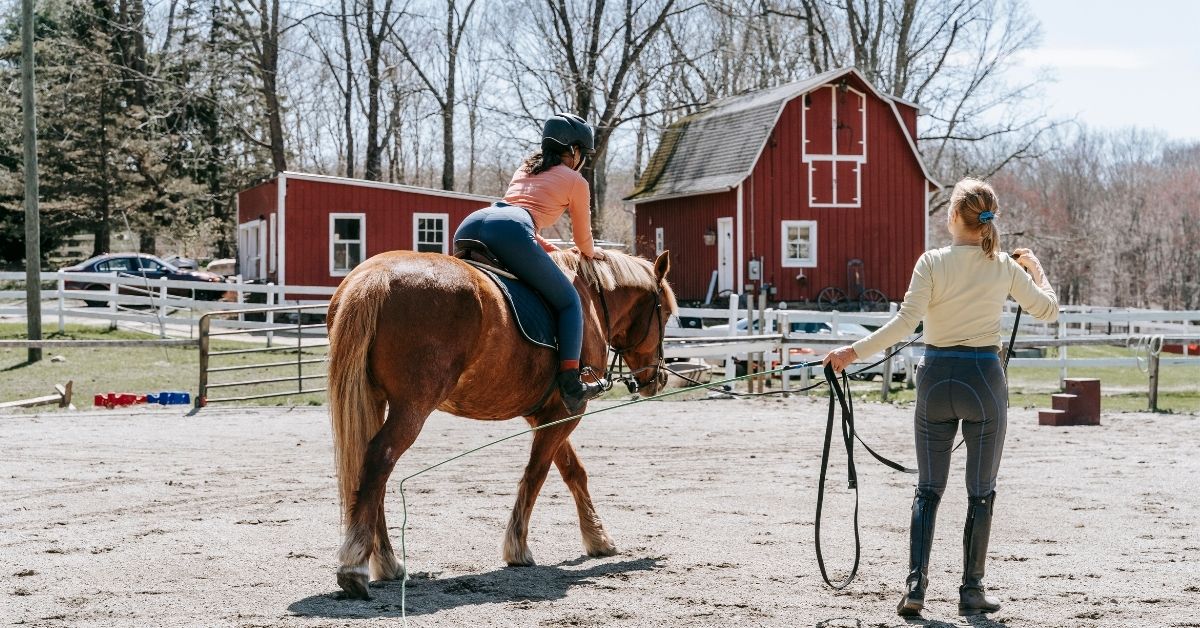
[[575, 392], [971, 597], [924, 513]]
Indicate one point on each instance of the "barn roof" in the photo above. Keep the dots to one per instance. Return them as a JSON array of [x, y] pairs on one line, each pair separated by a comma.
[[715, 149]]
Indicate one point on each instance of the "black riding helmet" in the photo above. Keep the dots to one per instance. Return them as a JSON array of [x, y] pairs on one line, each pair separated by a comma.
[[564, 130]]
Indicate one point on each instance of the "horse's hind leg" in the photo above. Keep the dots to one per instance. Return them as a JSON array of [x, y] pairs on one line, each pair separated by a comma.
[[545, 444], [596, 541], [398, 433], [384, 564]]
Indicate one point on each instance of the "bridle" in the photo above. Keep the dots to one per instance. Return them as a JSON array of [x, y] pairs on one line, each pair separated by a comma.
[[653, 321]]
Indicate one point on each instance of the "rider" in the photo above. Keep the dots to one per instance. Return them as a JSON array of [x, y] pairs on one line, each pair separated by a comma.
[[546, 184], [959, 291]]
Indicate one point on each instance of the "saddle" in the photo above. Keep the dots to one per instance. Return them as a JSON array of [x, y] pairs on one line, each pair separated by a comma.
[[533, 316], [478, 254]]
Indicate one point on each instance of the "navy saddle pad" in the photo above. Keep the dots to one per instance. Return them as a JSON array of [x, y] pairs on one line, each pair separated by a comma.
[[534, 318]]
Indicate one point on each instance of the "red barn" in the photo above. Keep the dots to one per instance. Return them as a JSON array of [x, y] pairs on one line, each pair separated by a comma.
[[311, 230], [784, 187]]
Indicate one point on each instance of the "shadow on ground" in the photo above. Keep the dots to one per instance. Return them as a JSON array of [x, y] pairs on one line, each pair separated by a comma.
[[973, 621], [516, 585]]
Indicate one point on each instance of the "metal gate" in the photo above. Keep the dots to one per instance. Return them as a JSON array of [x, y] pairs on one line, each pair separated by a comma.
[[303, 368]]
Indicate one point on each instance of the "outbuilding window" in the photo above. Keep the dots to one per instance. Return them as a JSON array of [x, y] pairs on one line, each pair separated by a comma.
[[429, 233], [799, 243], [347, 242]]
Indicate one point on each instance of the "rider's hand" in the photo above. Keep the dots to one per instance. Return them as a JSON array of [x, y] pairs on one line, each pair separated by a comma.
[[548, 247], [596, 253], [840, 358]]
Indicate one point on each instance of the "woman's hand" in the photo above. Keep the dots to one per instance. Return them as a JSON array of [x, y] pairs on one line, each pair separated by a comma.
[[596, 253], [1032, 265], [840, 358], [548, 247]]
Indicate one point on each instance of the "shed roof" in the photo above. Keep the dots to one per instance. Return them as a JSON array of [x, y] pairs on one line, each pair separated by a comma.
[[715, 149]]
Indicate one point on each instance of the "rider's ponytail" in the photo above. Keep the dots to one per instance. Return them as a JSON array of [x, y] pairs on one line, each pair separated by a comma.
[[975, 202], [540, 162]]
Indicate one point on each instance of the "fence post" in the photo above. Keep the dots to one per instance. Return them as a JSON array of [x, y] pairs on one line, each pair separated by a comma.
[[241, 298], [62, 286], [162, 309], [1153, 380], [202, 392], [112, 303], [887, 375], [299, 351], [730, 366], [270, 315], [1062, 355]]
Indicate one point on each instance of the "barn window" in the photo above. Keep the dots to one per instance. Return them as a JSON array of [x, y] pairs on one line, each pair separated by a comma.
[[799, 243], [347, 242], [429, 233], [658, 241]]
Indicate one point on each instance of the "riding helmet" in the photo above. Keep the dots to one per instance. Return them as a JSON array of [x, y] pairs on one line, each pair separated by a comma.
[[564, 130]]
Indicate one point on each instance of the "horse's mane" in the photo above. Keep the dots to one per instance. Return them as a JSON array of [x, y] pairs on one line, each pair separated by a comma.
[[615, 270]]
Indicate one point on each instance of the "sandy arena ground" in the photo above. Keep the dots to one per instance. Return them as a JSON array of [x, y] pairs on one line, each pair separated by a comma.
[[229, 518]]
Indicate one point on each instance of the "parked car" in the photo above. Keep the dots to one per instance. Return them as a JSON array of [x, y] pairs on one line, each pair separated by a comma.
[[138, 265], [225, 266]]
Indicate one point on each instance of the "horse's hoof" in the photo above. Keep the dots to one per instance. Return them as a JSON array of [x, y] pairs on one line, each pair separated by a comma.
[[604, 550], [353, 581], [386, 567], [519, 559]]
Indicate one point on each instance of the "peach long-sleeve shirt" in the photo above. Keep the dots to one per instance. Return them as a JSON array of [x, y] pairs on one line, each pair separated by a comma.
[[959, 292], [548, 194]]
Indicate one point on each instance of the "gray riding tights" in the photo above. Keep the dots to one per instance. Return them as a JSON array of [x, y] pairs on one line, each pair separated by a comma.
[[960, 384]]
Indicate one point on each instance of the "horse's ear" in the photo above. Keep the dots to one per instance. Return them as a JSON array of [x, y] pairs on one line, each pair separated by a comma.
[[662, 265]]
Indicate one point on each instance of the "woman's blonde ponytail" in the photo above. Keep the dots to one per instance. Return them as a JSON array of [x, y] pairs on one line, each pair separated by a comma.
[[975, 202]]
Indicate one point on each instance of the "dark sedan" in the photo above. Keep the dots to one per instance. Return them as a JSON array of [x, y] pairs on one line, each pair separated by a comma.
[[139, 265]]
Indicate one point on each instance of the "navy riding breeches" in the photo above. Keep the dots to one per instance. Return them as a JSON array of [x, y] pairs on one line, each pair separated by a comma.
[[508, 231], [964, 384]]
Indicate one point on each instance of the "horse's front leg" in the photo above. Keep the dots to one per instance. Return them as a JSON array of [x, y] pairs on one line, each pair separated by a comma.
[[596, 541], [545, 444]]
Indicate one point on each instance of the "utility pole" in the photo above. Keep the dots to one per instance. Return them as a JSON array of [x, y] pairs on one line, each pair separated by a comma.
[[33, 248]]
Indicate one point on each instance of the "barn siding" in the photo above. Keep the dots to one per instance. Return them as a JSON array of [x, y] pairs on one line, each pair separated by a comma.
[[389, 222], [684, 221], [886, 232], [256, 202]]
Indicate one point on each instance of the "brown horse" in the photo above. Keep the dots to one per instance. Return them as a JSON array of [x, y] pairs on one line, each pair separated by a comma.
[[413, 332]]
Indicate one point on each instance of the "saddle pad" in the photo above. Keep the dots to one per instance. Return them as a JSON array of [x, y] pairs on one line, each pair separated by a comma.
[[534, 318]]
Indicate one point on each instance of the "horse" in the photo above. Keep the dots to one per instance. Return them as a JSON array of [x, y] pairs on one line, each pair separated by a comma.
[[413, 332]]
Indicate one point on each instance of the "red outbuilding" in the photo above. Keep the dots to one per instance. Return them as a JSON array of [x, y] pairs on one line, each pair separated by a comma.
[[310, 230], [785, 187]]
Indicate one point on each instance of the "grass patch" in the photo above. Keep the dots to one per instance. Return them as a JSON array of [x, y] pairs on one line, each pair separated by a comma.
[[141, 370]]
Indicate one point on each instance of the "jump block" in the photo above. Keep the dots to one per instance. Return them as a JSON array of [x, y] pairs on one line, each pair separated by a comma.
[[1079, 405], [1086, 407]]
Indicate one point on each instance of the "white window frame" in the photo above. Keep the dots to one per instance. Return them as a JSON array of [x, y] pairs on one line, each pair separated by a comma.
[[445, 218], [659, 241], [333, 241], [833, 158], [792, 262]]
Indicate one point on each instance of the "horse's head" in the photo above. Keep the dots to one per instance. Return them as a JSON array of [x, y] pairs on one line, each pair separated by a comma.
[[635, 302]]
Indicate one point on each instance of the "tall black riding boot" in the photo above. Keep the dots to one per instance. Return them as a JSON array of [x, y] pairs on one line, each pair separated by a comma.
[[576, 392], [924, 513], [971, 597]]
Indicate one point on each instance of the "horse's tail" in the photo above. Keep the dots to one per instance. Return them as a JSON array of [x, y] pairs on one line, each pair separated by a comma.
[[355, 402]]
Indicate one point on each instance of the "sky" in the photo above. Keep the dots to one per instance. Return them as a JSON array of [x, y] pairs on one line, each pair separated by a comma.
[[1119, 64]]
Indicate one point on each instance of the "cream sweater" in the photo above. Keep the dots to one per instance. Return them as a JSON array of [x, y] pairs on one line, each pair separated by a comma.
[[960, 293]]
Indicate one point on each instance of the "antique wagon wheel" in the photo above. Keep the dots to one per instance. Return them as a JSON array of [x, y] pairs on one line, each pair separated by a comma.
[[831, 298], [873, 301]]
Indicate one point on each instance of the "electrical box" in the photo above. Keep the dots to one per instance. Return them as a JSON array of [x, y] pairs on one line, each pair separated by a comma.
[[755, 270]]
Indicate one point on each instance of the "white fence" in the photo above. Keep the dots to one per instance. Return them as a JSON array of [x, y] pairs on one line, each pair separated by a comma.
[[154, 303]]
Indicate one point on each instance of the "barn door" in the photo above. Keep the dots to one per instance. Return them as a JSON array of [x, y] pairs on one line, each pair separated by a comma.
[[724, 254]]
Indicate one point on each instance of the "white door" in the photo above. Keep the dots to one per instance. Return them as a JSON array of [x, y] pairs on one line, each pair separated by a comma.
[[250, 237], [724, 254]]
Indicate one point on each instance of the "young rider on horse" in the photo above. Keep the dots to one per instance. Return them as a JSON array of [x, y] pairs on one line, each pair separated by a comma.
[[545, 185], [959, 291]]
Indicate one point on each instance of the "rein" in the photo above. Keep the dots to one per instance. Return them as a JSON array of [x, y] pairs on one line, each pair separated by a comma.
[[654, 320]]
